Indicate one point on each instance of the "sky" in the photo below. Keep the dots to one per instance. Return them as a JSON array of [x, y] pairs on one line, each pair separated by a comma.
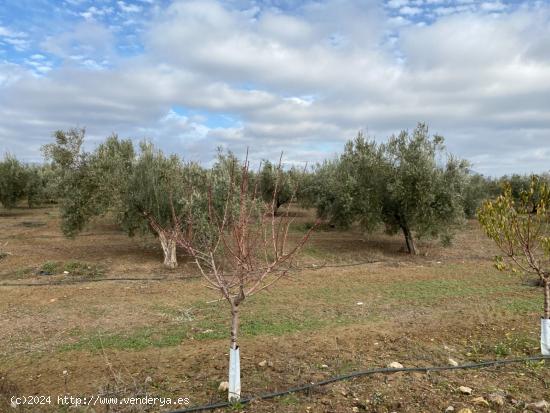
[[301, 77]]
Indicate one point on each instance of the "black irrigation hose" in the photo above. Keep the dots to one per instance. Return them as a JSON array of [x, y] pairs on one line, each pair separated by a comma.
[[268, 396], [189, 277]]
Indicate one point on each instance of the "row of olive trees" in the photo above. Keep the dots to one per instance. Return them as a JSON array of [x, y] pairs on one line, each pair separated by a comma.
[[227, 218], [146, 190], [18, 181]]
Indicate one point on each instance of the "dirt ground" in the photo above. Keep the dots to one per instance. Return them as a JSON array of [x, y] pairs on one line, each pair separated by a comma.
[[360, 302]]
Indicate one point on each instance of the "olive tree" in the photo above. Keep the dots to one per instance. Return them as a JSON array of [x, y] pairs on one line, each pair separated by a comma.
[[80, 181], [153, 199], [408, 184], [269, 177], [136, 188], [13, 181], [519, 224], [40, 185]]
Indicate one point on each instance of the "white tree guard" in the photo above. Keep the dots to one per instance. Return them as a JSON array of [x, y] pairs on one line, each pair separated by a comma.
[[234, 375], [545, 336]]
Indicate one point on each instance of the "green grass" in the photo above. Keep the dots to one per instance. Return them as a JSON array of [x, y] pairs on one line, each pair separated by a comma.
[[523, 305], [289, 400], [516, 343], [432, 291], [320, 308], [136, 340], [74, 268]]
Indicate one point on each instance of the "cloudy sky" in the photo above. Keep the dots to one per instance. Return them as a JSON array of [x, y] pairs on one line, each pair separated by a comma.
[[298, 76]]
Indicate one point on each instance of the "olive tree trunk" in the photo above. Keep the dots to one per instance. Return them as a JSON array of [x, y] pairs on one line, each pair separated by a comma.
[[168, 245], [409, 240]]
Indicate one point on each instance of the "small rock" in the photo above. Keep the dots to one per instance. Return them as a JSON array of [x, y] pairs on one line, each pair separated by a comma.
[[148, 379], [480, 400], [395, 365], [497, 398], [541, 406], [465, 390], [449, 409], [53, 300], [465, 410], [262, 363], [360, 303], [65, 272], [224, 386], [453, 362], [355, 409], [324, 366]]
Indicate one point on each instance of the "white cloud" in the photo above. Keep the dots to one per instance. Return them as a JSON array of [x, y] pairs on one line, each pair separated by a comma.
[[85, 41], [18, 40], [493, 6], [129, 8], [396, 4], [410, 11], [93, 12], [303, 81]]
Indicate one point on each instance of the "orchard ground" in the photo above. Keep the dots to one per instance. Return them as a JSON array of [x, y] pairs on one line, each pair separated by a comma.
[[169, 337]]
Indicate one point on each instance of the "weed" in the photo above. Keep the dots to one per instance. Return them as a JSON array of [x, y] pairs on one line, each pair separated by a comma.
[[50, 267], [502, 350], [83, 269], [289, 399], [75, 268], [236, 406]]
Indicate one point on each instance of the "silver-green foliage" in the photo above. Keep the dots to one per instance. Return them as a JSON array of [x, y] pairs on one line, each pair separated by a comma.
[[13, 180], [407, 184]]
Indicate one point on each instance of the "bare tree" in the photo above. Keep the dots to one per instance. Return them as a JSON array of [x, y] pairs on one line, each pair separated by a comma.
[[249, 251], [521, 229]]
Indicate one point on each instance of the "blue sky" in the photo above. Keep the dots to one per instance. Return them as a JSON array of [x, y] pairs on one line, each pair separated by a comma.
[[302, 77]]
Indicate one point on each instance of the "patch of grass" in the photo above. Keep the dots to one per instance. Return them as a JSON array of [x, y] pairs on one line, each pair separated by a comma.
[[522, 305], [136, 340], [289, 400], [84, 269], [74, 268], [432, 291], [50, 267], [24, 271], [517, 343]]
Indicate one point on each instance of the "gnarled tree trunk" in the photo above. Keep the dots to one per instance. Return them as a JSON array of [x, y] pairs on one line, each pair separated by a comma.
[[409, 240], [168, 245]]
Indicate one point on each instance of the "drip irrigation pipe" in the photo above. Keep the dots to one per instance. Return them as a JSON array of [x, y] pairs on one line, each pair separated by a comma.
[[189, 277], [309, 386]]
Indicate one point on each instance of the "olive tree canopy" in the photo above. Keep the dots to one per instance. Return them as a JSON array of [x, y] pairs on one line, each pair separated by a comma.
[[408, 184], [136, 187]]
